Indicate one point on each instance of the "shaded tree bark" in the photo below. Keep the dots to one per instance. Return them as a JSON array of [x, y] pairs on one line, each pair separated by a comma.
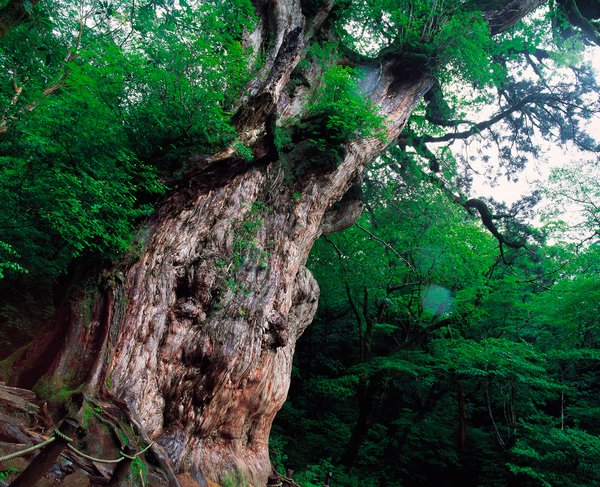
[[13, 14]]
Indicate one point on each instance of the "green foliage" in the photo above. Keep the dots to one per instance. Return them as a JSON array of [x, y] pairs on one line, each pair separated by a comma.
[[100, 89], [246, 246], [89, 414], [314, 475], [277, 446], [244, 151], [418, 315], [447, 39], [525, 63], [466, 57], [282, 137], [556, 457], [321, 53], [572, 190], [345, 110], [5, 474], [8, 257], [139, 470], [337, 112]]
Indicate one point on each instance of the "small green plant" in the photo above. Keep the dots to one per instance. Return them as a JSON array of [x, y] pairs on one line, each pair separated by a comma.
[[344, 111], [338, 112], [235, 479], [89, 413], [258, 206], [57, 390], [139, 470], [245, 241], [245, 245], [283, 137], [5, 474], [62, 395], [243, 150]]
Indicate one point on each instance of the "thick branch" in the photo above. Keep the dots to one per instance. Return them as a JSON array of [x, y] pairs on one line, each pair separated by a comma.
[[418, 144], [488, 220], [479, 127], [506, 17], [576, 18]]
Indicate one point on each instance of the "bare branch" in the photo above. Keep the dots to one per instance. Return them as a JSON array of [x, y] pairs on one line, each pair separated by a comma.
[[385, 244], [538, 98]]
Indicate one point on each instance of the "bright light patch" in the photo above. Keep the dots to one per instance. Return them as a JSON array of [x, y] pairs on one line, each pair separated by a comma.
[[437, 300]]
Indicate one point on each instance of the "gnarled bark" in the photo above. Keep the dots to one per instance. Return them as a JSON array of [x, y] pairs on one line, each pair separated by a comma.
[[197, 336]]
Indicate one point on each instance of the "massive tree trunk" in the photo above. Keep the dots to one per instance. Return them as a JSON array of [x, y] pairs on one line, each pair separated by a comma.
[[196, 337]]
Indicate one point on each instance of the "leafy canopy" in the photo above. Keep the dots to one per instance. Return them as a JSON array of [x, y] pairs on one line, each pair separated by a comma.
[[97, 98]]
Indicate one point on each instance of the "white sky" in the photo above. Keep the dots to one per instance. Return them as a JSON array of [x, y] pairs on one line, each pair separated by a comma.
[[537, 171]]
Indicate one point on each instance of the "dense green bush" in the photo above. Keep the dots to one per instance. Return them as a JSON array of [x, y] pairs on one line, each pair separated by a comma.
[[96, 104]]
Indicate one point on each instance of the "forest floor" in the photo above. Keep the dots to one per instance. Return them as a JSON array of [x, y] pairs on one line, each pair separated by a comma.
[[25, 422]]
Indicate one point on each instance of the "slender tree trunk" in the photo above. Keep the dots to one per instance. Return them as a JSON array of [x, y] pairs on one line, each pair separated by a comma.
[[462, 417], [365, 394]]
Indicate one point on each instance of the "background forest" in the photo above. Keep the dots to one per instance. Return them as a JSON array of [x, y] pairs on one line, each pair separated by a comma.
[[434, 360], [457, 338], [445, 353]]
